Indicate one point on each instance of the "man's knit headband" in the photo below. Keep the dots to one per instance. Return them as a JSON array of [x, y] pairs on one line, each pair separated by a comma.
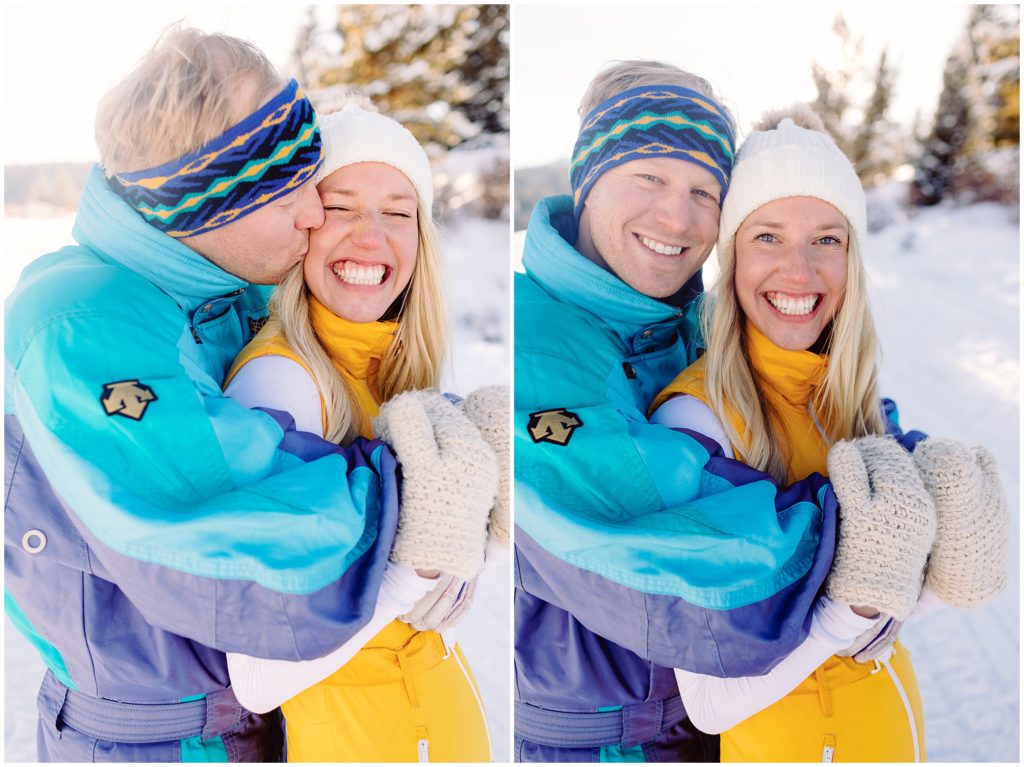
[[269, 154], [651, 121]]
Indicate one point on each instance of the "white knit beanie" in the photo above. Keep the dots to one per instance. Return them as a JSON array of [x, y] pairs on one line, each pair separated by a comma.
[[790, 161], [354, 135]]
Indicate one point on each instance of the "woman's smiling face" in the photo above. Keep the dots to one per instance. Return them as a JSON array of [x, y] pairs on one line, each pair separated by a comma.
[[791, 260], [364, 255]]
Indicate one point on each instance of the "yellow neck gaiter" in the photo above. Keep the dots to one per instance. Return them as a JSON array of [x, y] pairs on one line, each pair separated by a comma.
[[788, 379], [356, 349]]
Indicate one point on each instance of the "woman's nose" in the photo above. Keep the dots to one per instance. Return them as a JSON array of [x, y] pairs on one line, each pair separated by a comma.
[[796, 265], [369, 232]]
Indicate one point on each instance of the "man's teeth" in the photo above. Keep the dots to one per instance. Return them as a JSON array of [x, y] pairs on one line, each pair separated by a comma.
[[358, 274], [660, 247], [790, 305]]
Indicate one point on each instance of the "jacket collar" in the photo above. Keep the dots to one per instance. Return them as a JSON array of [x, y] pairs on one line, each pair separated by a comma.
[[641, 322], [105, 223]]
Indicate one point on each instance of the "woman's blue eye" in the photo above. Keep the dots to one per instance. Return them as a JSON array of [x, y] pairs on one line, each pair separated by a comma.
[[765, 237], [828, 239], [704, 193]]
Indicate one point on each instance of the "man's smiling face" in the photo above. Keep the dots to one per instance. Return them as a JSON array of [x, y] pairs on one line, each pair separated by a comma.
[[651, 222]]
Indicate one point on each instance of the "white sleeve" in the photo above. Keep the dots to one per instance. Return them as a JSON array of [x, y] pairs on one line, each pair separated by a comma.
[[279, 383], [261, 684], [688, 412], [928, 602], [715, 704]]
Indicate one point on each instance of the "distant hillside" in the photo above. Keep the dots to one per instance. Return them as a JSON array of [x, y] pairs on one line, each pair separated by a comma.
[[537, 182], [43, 188]]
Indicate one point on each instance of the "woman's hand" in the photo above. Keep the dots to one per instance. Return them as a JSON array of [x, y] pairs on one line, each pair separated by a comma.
[[449, 479], [443, 607], [488, 408], [969, 563], [886, 526]]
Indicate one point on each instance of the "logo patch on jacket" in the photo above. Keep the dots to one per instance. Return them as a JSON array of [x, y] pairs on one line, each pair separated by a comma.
[[256, 324], [554, 426], [127, 398]]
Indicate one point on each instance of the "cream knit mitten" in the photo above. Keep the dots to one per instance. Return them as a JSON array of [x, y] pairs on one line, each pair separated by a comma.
[[886, 526], [970, 559], [488, 408], [449, 476]]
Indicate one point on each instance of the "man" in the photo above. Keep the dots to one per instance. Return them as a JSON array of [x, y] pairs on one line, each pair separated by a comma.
[[638, 548], [153, 524]]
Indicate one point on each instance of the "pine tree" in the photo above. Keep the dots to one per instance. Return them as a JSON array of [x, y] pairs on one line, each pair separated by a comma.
[[994, 35], [441, 70], [973, 149], [942, 151], [878, 147], [835, 86]]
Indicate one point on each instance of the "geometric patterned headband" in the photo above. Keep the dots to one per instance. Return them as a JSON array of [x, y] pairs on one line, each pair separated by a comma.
[[269, 154], [651, 121]]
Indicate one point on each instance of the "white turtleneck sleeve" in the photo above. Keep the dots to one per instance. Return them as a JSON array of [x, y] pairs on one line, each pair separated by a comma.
[[279, 383], [685, 411]]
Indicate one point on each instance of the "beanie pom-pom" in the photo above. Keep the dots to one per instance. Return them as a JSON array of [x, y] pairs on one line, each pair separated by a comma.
[[801, 115]]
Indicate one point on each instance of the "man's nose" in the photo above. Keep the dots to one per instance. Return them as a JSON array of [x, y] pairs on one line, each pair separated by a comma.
[[311, 211], [675, 212]]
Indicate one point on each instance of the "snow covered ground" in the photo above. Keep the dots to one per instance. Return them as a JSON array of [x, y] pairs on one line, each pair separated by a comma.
[[475, 254], [945, 293]]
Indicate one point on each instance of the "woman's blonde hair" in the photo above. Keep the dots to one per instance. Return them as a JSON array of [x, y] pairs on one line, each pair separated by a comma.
[[846, 402], [189, 89], [413, 361]]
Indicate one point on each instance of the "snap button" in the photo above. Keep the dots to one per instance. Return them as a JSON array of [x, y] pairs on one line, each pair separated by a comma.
[[27, 541], [647, 333]]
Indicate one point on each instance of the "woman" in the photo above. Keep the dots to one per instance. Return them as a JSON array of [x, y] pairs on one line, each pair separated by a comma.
[[361, 321], [791, 370]]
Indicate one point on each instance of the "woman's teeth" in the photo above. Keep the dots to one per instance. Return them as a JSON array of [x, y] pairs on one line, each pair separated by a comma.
[[793, 306], [660, 247], [358, 274]]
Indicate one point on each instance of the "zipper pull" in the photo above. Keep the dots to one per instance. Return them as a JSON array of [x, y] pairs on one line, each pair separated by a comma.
[[422, 745], [829, 750]]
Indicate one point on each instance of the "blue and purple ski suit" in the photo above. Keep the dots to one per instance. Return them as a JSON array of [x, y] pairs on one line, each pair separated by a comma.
[[152, 524]]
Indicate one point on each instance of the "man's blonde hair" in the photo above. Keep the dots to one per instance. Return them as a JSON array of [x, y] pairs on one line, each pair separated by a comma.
[[189, 89], [415, 358], [620, 76]]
